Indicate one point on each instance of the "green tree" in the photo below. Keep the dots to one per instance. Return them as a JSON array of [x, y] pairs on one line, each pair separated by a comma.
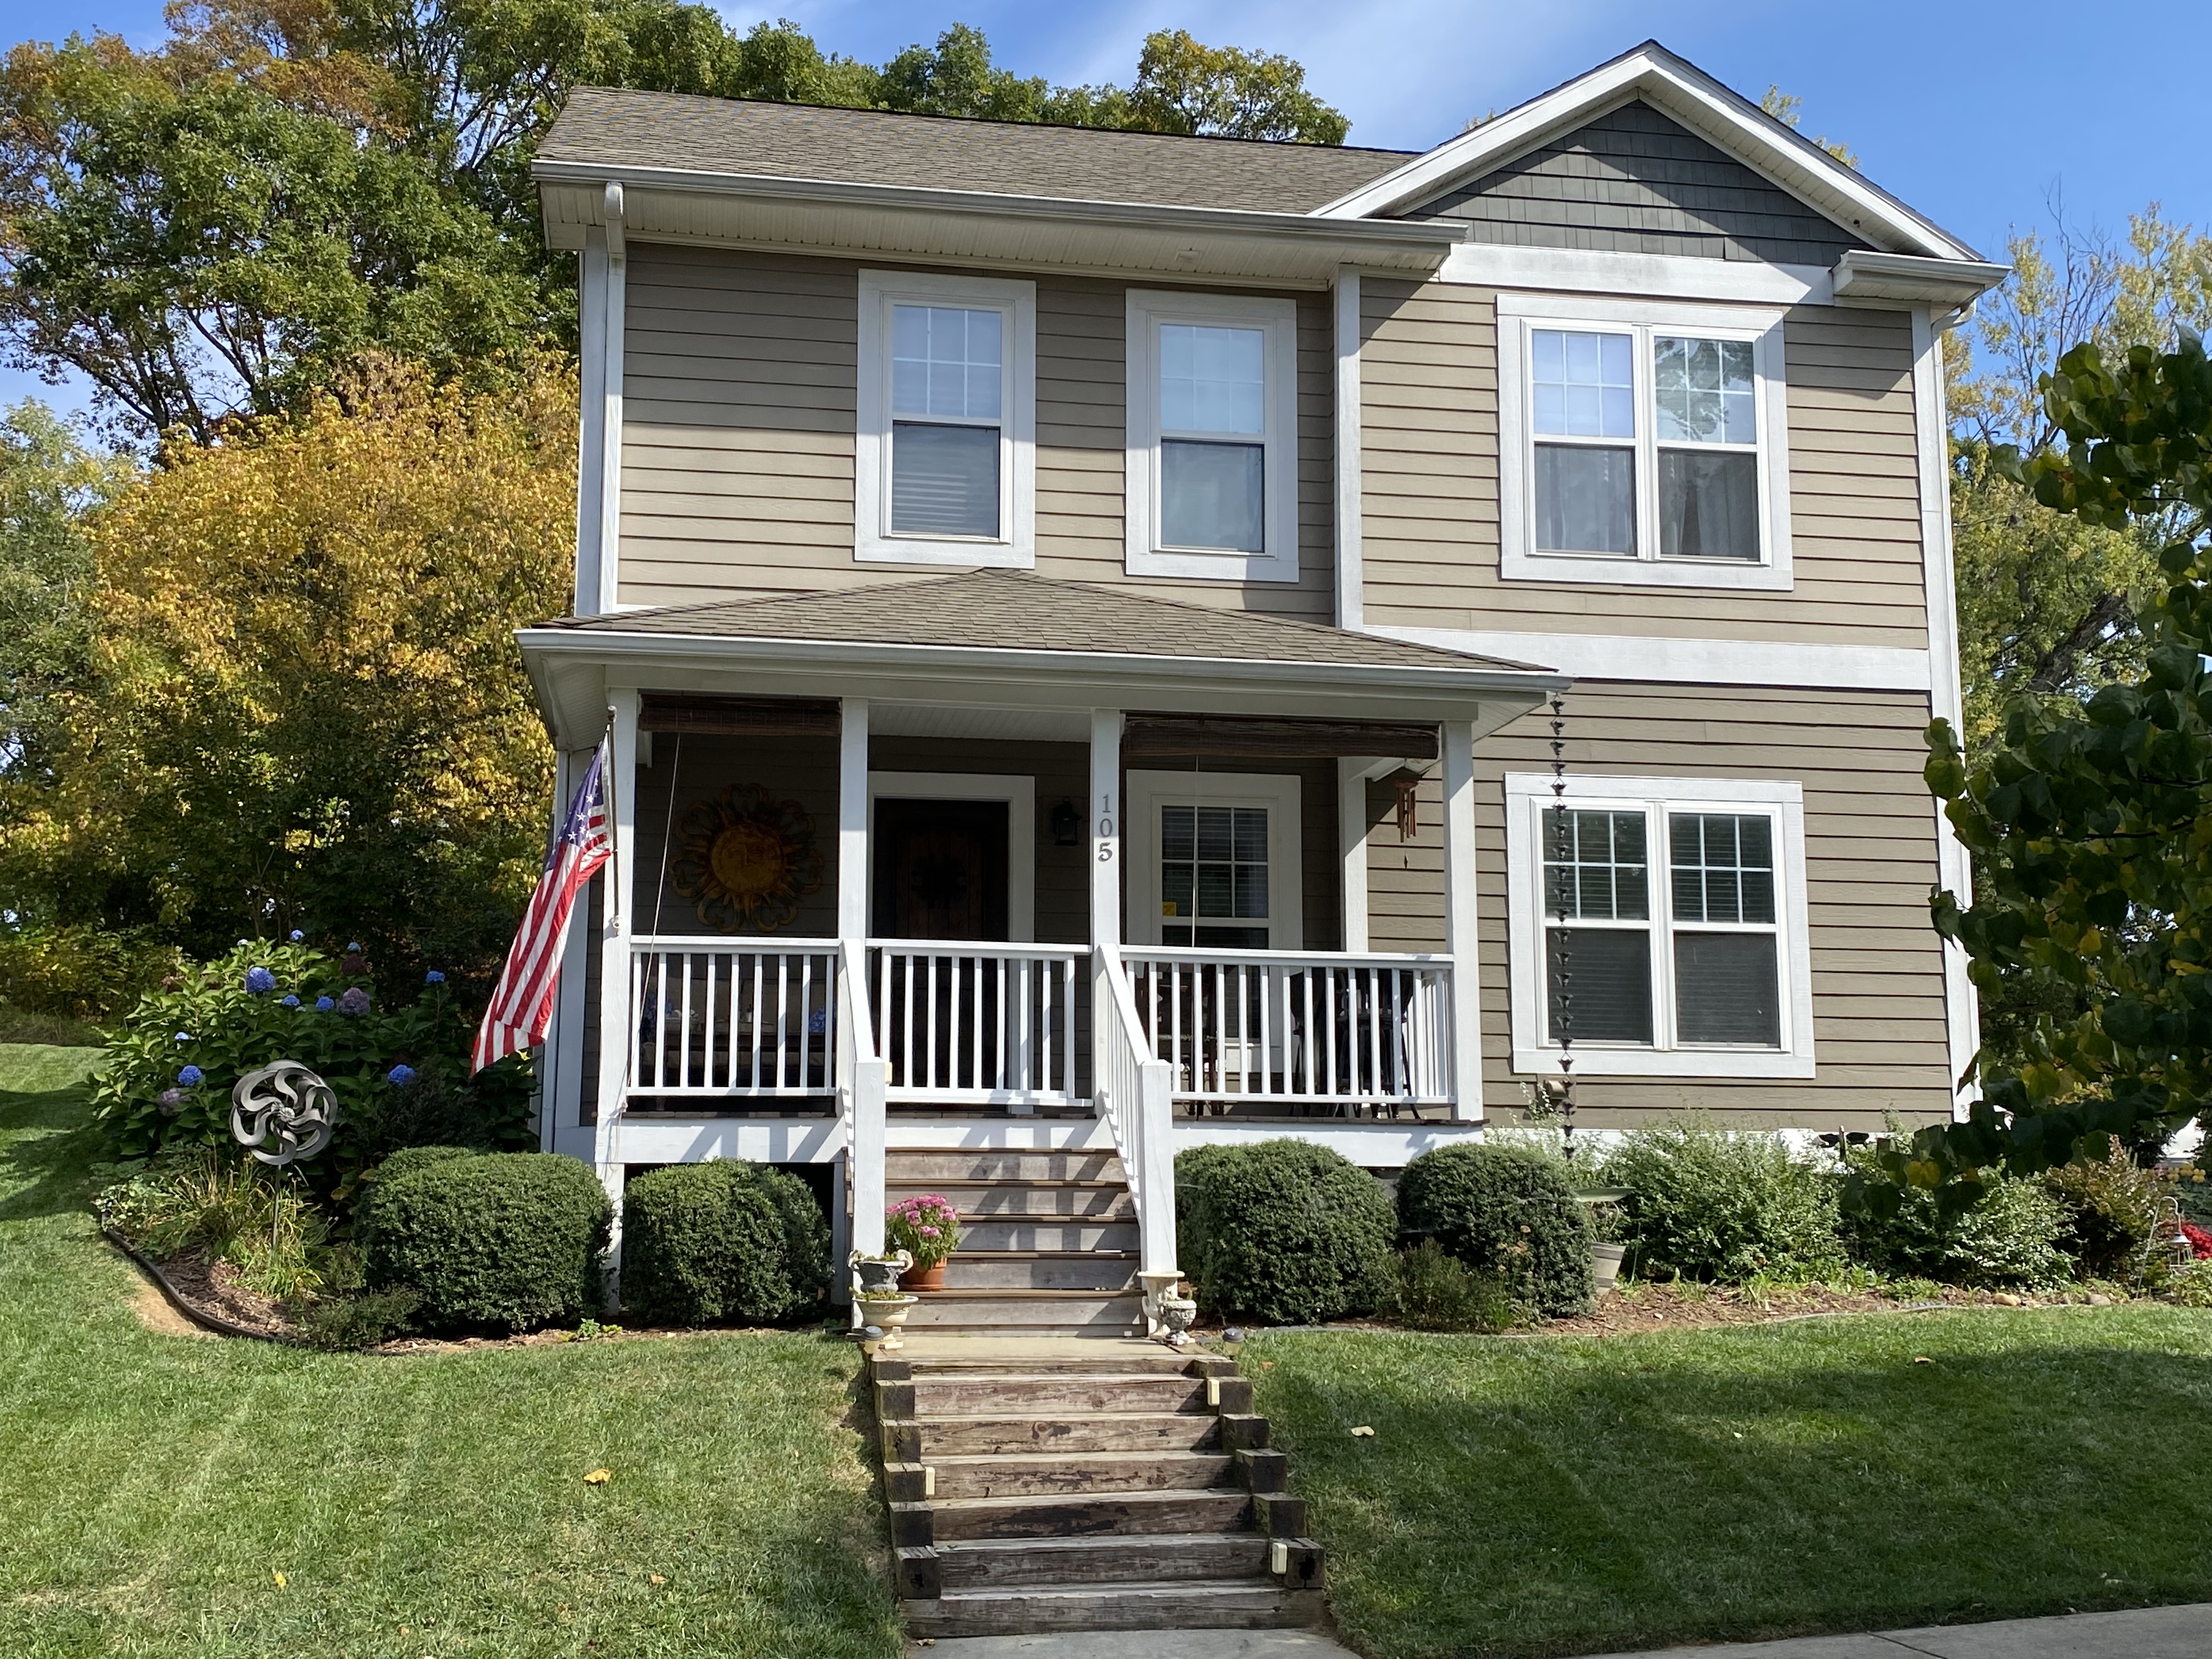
[[2088, 820], [1184, 87]]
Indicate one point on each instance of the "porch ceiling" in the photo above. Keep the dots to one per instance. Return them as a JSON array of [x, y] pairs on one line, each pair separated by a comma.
[[1007, 639]]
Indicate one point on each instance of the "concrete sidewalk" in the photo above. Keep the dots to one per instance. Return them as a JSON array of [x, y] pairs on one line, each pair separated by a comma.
[[2183, 1633]]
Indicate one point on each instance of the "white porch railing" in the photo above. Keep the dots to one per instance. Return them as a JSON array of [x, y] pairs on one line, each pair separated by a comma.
[[720, 1017], [983, 1025], [1320, 1035], [861, 1099], [1136, 1100]]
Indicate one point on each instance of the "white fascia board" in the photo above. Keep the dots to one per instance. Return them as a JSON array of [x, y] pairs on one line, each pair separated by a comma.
[[1648, 276], [1864, 279], [1370, 1146], [1698, 102], [659, 1140], [1796, 665]]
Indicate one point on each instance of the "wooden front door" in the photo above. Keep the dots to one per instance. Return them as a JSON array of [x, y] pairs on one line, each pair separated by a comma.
[[940, 869]]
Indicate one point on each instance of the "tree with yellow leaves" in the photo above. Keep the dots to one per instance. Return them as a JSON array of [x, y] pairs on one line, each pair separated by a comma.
[[305, 708]]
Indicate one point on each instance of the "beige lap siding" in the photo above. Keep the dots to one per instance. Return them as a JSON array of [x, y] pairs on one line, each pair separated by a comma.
[[738, 408], [1429, 502], [1877, 1011]]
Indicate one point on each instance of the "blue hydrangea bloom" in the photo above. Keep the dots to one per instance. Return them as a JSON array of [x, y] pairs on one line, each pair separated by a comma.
[[297, 936], [433, 978], [400, 1076], [355, 1002], [260, 981], [354, 947], [291, 1002], [183, 1036], [191, 1077], [324, 1004]]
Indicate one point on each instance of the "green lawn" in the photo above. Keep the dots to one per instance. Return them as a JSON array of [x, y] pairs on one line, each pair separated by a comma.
[[151, 1486], [1570, 1496]]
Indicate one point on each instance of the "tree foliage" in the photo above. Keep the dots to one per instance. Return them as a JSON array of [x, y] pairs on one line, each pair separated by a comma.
[[2088, 820], [304, 707]]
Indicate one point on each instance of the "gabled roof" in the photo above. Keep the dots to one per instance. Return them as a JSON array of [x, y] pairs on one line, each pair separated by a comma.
[[739, 137], [1012, 611], [1657, 76]]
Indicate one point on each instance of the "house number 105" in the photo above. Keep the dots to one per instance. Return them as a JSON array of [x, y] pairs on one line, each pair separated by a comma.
[[1105, 829]]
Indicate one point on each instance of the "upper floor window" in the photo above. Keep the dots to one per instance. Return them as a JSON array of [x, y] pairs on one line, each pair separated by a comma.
[[944, 452], [1641, 443], [1212, 438]]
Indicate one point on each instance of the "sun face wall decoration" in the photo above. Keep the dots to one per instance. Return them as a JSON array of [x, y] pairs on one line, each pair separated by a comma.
[[746, 859]]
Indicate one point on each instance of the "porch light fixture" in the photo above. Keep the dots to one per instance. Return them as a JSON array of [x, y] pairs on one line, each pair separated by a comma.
[[1066, 824]]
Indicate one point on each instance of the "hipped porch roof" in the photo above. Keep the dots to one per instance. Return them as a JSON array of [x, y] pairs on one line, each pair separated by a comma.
[[997, 637]]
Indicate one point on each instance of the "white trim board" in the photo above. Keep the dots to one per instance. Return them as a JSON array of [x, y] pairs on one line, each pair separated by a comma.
[[1017, 789], [1692, 662], [1648, 276], [1370, 1146]]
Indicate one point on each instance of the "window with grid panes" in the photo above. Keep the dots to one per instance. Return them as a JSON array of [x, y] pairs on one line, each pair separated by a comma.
[[1597, 933], [1726, 939], [1214, 877], [947, 405]]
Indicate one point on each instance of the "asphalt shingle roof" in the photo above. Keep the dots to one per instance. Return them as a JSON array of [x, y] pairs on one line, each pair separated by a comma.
[[1010, 610], [877, 147]]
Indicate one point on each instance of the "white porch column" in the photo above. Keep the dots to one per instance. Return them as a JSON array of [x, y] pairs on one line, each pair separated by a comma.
[[1461, 941], [865, 1073], [1351, 774], [853, 819], [1105, 843], [618, 1017]]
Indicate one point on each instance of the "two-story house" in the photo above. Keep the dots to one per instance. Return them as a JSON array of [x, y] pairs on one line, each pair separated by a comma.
[[1083, 622]]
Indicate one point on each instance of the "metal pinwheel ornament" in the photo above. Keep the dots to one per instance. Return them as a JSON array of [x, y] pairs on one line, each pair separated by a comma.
[[282, 1112]]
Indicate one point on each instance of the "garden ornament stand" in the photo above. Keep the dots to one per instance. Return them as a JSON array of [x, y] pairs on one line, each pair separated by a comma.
[[282, 1112]]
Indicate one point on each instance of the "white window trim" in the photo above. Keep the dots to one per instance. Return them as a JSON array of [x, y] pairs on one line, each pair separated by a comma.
[[1528, 796], [1018, 790], [1277, 319], [1519, 561], [1146, 793], [872, 541]]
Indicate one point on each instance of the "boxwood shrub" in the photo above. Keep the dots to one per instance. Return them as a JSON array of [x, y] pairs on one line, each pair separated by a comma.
[[1502, 1209], [493, 1241], [1282, 1231], [726, 1240]]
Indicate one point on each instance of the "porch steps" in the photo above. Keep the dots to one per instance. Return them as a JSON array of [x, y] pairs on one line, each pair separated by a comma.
[[1082, 1486]]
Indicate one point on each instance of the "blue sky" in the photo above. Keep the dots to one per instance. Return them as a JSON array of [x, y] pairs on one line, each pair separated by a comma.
[[1976, 114]]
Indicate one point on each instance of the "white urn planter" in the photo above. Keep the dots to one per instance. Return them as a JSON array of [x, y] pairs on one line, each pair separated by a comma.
[[887, 1315], [1605, 1265]]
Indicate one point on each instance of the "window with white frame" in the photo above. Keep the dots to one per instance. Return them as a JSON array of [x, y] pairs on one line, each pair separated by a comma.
[[1213, 436], [945, 461], [1642, 443], [1661, 924], [1213, 860]]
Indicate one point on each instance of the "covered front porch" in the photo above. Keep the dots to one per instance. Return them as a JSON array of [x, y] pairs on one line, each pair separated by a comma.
[[881, 883]]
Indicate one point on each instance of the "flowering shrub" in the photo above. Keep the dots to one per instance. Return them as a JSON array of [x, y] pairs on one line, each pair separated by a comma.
[[2200, 1241], [180, 1051], [926, 1225]]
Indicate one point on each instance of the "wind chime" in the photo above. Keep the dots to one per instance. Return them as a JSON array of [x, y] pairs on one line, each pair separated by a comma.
[[1563, 1095]]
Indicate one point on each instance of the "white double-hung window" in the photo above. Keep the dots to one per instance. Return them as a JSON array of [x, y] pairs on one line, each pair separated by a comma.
[[1660, 923], [1211, 473], [1642, 443], [945, 433]]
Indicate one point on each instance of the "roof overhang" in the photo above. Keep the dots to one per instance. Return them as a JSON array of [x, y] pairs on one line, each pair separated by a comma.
[[1688, 94], [895, 222], [573, 669], [1863, 278]]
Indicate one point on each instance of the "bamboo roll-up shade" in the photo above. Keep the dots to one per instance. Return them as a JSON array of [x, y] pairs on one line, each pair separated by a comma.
[[706, 715], [1244, 735]]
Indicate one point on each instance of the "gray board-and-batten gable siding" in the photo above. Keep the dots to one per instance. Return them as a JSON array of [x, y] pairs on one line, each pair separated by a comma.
[[1636, 181]]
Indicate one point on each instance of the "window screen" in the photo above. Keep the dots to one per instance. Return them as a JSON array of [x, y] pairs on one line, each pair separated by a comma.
[[1214, 877], [1213, 386], [947, 368]]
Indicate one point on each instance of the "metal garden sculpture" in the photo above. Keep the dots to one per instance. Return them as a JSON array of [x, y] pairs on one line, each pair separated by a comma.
[[282, 1112]]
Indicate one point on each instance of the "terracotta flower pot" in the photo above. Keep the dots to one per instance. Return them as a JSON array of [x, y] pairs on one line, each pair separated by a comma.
[[923, 1279]]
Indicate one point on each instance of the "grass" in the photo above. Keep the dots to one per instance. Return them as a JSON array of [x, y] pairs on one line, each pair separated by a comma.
[[153, 1486], [1557, 1495], [17, 1025]]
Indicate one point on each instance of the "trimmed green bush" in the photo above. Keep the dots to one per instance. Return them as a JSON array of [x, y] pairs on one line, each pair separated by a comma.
[[2011, 1238], [1282, 1231], [1710, 1203], [409, 1158], [1506, 1210], [1435, 1291], [501, 1241], [727, 1240]]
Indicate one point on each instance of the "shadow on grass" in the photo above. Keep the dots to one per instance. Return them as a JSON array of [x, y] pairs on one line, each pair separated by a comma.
[[47, 1142], [1640, 1492]]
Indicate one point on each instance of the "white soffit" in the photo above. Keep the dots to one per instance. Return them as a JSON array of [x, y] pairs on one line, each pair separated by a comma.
[[1700, 103]]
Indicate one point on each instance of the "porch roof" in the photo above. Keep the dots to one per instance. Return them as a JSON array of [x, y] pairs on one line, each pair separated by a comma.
[[988, 610]]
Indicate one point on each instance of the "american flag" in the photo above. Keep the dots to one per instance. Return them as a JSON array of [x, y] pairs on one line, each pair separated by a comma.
[[522, 1002]]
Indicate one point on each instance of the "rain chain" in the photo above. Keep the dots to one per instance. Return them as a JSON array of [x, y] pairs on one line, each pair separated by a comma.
[[1563, 957]]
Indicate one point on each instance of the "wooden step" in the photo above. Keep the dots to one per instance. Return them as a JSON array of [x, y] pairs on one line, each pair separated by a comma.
[[950, 1357], [983, 1436], [998, 1563], [1012, 1200], [971, 1166], [1066, 1394], [1150, 1513], [1198, 1604], [1071, 1472], [1041, 1270], [1002, 1311], [1044, 1233]]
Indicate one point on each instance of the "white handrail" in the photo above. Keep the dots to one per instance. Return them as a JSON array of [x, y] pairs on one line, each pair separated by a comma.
[[722, 1017], [977, 1023], [860, 1094], [1134, 1097]]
